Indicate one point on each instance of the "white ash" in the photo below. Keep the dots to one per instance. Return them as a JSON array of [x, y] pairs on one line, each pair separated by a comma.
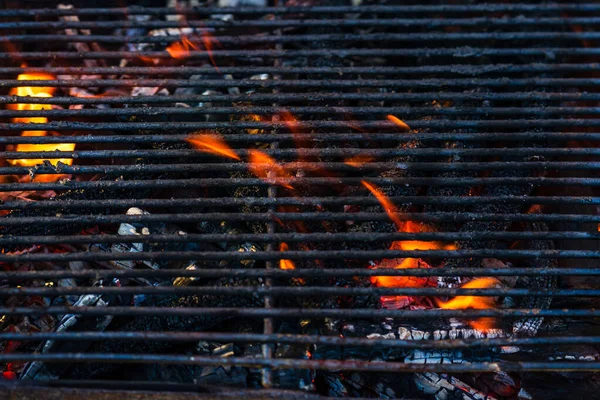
[[435, 357], [445, 387], [37, 370], [127, 229], [242, 3], [524, 395]]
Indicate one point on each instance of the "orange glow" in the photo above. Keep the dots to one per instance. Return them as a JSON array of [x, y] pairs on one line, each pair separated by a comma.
[[34, 91], [285, 264], [212, 144], [399, 123], [474, 302], [389, 207], [358, 161], [253, 118], [266, 168]]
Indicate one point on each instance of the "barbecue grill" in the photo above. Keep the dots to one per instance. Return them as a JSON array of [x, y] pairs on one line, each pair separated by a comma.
[[304, 199]]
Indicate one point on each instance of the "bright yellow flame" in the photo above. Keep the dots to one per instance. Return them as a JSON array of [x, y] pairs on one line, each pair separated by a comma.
[[475, 302], [213, 144], [35, 91]]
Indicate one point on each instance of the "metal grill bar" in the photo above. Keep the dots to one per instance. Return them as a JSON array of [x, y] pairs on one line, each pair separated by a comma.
[[305, 216], [387, 9], [293, 291], [299, 255], [428, 23], [282, 363], [416, 124], [379, 52], [306, 201], [459, 69], [300, 339], [225, 182], [334, 111], [298, 237], [331, 166], [287, 97], [287, 274], [389, 37], [296, 312]]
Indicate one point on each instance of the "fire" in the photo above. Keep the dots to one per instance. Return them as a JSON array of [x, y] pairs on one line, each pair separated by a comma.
[[358, 161], [401, 281], [285, 264], [181, 50], [475, 302], [409, 245], [406, 245], [389, 207], [35, 91], [212, 144], [266, 168], [399, 123]]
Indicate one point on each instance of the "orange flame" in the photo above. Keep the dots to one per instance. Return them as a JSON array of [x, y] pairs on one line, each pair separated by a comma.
[[389, 207], [266, 168], [285, 264], [474, 302], [212, 144], [299, 140], [409, 245], [181, 49], [399, 123], [358, 161], [37, 91], [401, 281]]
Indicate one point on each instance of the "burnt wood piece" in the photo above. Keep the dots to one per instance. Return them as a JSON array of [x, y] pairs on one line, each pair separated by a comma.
[[166, 324]]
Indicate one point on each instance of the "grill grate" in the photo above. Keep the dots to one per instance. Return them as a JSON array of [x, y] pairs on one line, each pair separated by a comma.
[[500, 161]]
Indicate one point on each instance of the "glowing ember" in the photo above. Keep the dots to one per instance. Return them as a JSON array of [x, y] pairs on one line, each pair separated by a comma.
[[32, 91], [475, 302], [266, 168], [212, 144], [399, 123], [285, 264], [358, 161]]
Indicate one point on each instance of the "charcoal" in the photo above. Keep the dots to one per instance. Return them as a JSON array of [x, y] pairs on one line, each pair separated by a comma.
[[446, 387], [167, 323], [292, 378], [530, 326], [38, 370]]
